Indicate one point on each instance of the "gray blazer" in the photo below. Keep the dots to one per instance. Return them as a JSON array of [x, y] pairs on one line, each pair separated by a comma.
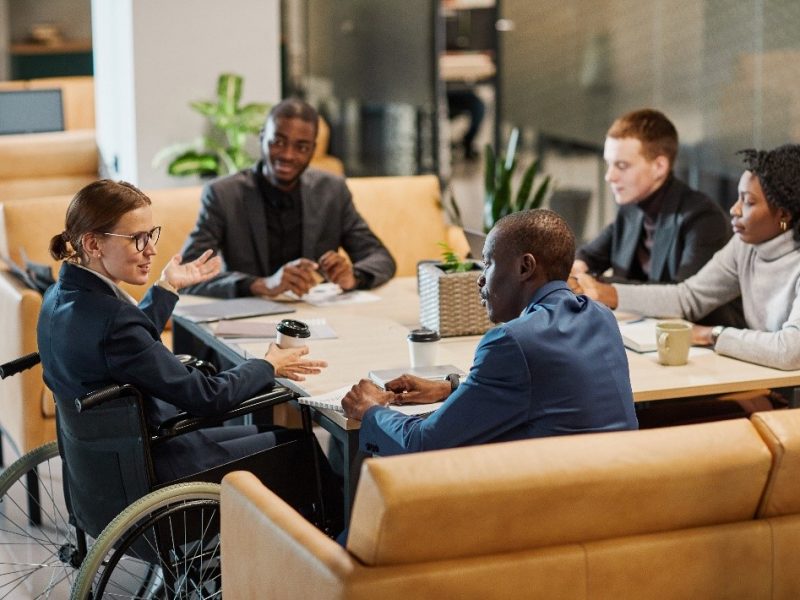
[[690, 228], [233, 222]]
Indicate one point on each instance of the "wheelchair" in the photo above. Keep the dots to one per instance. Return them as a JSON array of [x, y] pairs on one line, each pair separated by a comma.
[[84, 516]]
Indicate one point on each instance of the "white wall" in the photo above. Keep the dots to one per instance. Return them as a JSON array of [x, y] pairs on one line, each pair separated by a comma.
[[153, 57]]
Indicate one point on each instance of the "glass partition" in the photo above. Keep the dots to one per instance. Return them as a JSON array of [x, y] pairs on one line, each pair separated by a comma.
[[370, 70], [725, 72]]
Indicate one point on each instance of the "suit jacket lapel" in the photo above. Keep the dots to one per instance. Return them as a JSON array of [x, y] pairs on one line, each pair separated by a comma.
[[312, 227], [665, 235], [630, 239], [256, 215]]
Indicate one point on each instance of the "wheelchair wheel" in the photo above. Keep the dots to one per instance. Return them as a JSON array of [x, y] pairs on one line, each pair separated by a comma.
[[165, 545], [39, 552]]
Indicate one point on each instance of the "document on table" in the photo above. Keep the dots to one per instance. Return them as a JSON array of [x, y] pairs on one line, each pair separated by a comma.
[[236, 308], [639, 334], [240, 330], [330, 294], [333, 401]]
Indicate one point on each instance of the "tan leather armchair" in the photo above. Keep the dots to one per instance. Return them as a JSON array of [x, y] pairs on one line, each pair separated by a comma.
[[406, 214], [699, 511]]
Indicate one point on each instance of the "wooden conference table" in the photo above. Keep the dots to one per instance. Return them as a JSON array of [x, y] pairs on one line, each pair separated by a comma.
[[372, 335]]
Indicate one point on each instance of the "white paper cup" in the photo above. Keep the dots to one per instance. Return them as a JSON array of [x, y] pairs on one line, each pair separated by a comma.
[[423, 348], [292, 333]]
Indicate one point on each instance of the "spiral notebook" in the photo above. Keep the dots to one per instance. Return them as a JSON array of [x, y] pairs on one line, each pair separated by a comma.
[[333, 401]]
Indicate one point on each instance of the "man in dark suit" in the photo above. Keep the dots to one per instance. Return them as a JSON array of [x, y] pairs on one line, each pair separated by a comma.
[[664, 231], [555, 365], [278, 226]]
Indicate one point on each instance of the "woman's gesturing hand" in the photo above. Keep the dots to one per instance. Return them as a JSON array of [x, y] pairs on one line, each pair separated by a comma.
[[290, 364]]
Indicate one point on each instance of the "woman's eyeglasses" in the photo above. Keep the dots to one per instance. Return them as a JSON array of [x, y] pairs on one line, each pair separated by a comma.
[[141, 239]]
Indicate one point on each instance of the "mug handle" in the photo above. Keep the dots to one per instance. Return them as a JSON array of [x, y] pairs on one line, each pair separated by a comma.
[[663, 340]]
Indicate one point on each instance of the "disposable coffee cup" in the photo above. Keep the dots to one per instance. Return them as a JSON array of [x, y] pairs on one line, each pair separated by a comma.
[[292, 333], [423, 348], [673, 339]]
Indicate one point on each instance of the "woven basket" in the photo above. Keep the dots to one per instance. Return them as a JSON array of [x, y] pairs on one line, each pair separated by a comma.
[[449, 302]]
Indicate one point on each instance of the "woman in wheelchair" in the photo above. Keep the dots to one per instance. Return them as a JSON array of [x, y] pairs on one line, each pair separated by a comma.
[[91, 332]]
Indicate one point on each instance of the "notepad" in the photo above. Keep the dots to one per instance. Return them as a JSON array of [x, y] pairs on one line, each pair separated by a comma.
[[639, 335], [439, 372], [237, 308], [333, 401]]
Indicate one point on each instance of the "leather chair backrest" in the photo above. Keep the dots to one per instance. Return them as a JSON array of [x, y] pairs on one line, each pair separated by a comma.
[[30, 223], [540, 493], [405, 213]]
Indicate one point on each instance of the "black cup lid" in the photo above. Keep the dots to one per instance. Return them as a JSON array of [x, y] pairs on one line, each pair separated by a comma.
[[294, 328], [423, 335]]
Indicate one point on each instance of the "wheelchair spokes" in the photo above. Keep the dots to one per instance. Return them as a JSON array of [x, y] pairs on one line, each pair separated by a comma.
[[175, 529], [38, 547]]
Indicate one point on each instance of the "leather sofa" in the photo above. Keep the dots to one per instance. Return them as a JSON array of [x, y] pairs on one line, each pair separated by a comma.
[[60, 162], [27, 412], [698, 511]]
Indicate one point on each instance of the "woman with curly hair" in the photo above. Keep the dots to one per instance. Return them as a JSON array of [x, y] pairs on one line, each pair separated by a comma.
[[761, 263]]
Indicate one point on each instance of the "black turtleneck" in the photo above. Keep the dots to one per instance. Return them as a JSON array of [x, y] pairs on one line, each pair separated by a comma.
[[651, 207]]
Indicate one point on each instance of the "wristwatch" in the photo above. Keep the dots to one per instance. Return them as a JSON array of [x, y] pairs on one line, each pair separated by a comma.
[[454, 380], [715, 331]]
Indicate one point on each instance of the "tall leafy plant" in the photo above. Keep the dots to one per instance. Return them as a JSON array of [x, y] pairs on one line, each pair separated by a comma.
[[221, 151], [499, 200]]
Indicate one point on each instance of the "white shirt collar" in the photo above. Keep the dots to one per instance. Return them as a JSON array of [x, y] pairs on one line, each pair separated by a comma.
[[118, 291]]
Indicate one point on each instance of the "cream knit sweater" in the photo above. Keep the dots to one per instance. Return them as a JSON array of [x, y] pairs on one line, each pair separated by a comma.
[[766, 275]]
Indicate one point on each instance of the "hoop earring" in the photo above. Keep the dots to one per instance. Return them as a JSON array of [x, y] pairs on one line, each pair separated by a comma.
[[784, 226]]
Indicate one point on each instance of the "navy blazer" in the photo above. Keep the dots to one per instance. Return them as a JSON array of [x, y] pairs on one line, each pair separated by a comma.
[[690, 228], [559, 368], [233, 222], [90, 337]]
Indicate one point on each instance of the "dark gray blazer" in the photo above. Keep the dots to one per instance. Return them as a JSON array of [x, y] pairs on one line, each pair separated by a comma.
[[690, 228], [233, 222]]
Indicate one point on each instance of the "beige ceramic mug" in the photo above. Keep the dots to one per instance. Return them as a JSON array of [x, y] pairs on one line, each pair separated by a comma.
[[673, 339]]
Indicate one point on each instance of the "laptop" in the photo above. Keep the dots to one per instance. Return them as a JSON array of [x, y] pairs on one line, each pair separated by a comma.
[[475, 239]]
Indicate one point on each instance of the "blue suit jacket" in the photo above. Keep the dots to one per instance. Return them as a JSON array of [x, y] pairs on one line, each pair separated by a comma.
[[89, 337], [559, 368]]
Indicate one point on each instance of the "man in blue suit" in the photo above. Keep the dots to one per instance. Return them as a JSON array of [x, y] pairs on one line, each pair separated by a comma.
[[554, 365]]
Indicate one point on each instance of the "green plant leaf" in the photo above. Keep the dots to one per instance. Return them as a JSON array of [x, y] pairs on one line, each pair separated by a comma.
[[488, 173], [526, 185], [229, 92], [538, 198], [511, 149], [207, 109], [193, 163], [451, 262], [222, 150]]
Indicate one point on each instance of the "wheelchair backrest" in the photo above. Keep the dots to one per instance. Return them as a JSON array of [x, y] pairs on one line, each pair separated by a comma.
[[106, 458]]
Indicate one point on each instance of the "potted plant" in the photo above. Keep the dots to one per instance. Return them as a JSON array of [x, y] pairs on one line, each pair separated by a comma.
[[448, 296], [499, 200], [221, 152]]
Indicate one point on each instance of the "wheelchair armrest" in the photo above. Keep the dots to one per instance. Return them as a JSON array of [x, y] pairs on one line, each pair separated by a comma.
[[184, 422], [18, 365], [105, 394]]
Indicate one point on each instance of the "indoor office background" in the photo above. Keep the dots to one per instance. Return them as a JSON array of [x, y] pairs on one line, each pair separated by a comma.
[[724, 71]]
